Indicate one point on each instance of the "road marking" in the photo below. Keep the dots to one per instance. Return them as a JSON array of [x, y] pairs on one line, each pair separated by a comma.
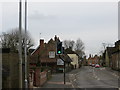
[[73, 86], [74, 79], [95, 76], [98, 78]]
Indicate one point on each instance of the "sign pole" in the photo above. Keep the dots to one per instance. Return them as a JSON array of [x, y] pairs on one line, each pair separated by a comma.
[[64, 68], [64, 72]]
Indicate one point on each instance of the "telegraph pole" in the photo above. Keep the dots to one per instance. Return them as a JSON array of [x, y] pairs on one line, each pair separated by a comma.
[[26, 81], [20, 44]]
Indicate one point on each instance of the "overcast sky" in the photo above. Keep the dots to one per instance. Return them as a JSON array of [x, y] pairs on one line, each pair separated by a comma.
[[93, 22]]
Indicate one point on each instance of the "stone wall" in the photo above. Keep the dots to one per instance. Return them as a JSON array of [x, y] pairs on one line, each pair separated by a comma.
[[10, 75]]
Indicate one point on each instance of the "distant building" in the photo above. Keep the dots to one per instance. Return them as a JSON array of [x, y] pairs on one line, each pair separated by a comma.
[[93, 60]]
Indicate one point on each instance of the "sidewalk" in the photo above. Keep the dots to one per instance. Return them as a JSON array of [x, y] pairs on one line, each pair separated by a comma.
[[115, 72], [57, 81]]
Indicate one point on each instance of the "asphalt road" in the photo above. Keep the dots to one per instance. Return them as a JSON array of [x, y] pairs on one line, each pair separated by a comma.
[[90, 77]]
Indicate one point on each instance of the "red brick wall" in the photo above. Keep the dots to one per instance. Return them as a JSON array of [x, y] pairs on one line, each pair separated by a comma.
[[37, 77], [43, 78], [40, 77]]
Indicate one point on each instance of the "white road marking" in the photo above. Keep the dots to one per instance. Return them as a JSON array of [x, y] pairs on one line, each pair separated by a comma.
[[98, 78], [74, 79], [95, 76]]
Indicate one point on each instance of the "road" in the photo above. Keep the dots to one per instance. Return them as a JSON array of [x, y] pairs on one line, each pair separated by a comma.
[[91, 77]]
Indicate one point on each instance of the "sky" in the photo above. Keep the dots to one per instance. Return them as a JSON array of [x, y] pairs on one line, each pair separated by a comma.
[[93, 22]]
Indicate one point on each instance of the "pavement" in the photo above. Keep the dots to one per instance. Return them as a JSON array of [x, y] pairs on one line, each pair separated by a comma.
[[57, 81]]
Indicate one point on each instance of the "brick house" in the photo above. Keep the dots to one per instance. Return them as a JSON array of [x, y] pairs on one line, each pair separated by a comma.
[[45, 55], [93, 60], [44, 58]]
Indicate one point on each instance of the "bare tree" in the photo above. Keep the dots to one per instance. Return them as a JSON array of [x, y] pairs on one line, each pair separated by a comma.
[[10, 40], [66, 43], [79, 47], [69, 44]]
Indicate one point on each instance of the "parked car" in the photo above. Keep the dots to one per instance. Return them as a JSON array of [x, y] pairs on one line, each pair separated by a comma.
[[90, 64], [97, 66], [93, 65]]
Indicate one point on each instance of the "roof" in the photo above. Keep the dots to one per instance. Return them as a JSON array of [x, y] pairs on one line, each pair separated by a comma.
[[66, 58], [31, 50], [69, 51], [110, 50], [35, 50]]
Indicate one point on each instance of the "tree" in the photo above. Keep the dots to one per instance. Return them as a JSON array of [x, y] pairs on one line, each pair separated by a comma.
[[69, 44], [79, 47], [11, 40]]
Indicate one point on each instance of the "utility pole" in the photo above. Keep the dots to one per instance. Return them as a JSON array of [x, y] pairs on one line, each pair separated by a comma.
[[20, 44], [26, 81]]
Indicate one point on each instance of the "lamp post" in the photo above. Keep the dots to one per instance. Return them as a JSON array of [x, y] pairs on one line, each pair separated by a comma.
[[26, 81], [20, 44]]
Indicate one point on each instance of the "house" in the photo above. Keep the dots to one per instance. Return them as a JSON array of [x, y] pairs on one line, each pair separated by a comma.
[[108, 53], [93, 60], [115, 56], [90, 60], [74, 59], [73, 56], [45, 56]]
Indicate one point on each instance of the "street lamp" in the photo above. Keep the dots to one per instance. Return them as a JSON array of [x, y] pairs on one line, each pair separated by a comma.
[[20, 44], [26, 81]]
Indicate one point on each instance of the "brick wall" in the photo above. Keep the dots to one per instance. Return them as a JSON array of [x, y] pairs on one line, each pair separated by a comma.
[[40, 77], [43, 78], [37, 77]]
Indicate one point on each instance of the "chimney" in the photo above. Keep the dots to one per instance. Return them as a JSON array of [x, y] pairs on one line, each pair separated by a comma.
[[41, 43], [55, 38]]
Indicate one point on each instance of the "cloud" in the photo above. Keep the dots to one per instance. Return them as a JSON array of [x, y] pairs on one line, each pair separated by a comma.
[[40, 16]]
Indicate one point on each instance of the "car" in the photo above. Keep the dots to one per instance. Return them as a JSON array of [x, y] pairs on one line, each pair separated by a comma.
[[90, 64], [97, 66], [93, 65]]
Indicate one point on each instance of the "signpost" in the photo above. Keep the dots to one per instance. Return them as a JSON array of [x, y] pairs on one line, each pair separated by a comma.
[[60, 51], [64, 67], [60, 62]]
